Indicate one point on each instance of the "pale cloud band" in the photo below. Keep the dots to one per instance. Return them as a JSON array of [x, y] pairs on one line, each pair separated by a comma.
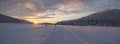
[[55, 8]]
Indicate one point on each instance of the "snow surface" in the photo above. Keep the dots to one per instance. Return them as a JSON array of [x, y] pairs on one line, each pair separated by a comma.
[[40, 34]]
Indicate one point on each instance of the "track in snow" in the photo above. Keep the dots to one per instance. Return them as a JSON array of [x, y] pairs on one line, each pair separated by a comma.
[[40, 34]]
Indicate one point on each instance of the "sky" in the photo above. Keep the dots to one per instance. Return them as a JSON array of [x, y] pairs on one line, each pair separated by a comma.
[[52, 11]]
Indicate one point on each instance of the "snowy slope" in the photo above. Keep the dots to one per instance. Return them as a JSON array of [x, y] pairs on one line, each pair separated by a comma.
[[40, 34]]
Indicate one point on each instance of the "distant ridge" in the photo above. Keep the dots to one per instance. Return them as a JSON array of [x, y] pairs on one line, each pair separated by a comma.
[[8, 19], [101, 18]]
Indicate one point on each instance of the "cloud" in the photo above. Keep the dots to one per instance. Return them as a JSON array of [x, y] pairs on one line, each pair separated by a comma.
[[55, 7], [101, 4], [40, 18], [70, 4], [28, 5], [1, 4]]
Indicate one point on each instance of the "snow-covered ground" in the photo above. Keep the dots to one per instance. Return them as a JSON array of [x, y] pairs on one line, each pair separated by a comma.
[[40, 34]]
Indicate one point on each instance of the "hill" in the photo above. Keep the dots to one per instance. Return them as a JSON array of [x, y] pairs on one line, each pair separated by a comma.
[[101, 18], [8, 19]]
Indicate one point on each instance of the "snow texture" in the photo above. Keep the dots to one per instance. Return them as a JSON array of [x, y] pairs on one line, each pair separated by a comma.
[[50, 34]]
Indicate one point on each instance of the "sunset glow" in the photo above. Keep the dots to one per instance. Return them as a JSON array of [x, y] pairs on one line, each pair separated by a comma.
[[35, 22], [59, 21], [52, 11]]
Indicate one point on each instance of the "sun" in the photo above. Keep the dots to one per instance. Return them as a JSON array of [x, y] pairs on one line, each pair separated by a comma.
[[35, 22]]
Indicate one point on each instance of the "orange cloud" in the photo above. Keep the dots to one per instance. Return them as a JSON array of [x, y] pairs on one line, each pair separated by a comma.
[[70, 4], [28, 5], [1, 4]]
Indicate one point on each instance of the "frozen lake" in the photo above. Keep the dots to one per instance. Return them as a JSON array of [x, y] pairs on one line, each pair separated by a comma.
[[40, 34]]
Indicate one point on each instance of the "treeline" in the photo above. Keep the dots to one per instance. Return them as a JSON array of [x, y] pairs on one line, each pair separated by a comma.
[[102, 18], [8, 19]]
